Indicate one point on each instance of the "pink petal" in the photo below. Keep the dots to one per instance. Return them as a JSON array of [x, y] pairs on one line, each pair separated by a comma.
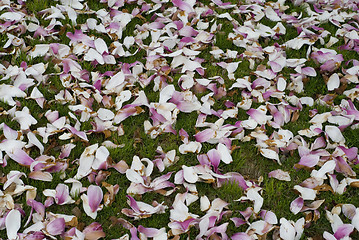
[[95, 196], [238, 221], [182, 5], [149, 232], [309, 160], [205, 135], [344, 231], [241, 236], [21, 157], [56, 227], [214, 157], [309, 71], [38, 206], [62, 193]]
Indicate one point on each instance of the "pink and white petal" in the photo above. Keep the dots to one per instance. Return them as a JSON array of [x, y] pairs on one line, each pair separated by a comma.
[[150, 232], [182, 5], [297, 205], [343, 231], [205, 135], [94, 231], [238, 221], [86, 206], [349, 210], [95, 196], [21, 157], [9, 133], [269, 217], [62, 194], [309, 71], [12, 223]]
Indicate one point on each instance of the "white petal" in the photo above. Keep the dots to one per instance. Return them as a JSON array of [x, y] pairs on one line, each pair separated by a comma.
[[333, 82], [224, 153], [133, 176], [253, 195], [101, 46], [13, 223], [205, 203], [39, 50], [306, 193], [334, 133], [268, 153], [105, 114], [287, 230], [189, 174]]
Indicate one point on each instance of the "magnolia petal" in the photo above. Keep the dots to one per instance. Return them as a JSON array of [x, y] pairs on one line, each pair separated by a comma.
[[224, 153], [306, 193], [334, 133], [12, 223], [40, 175], [56, 226], [280, 175], [268, 153], [286, 230], [309, 160], [101, 46], [105, 114], [297, 205], [95, 196], [355, 220], [333, 82], [205, 203], [189, 174], [253, 195]]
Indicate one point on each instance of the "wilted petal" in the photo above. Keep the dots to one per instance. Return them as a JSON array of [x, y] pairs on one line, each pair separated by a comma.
[[280, 175]]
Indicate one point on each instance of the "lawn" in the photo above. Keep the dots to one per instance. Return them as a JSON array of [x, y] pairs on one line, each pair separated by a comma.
[[183, 119]]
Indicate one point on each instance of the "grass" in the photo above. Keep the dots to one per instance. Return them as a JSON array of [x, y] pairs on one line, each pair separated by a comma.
[[246, 158]]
